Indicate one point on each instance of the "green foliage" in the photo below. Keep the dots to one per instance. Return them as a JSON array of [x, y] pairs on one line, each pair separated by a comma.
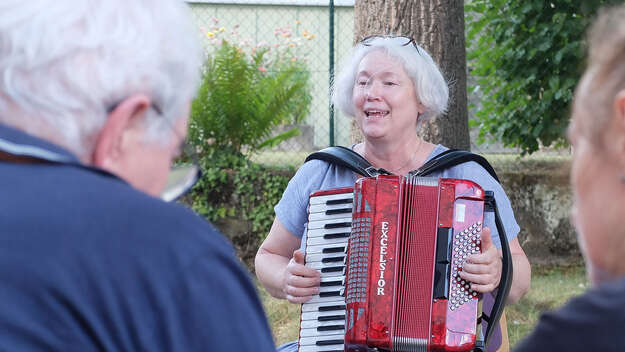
[[232, 186], [528, 57], [244, 96], [246, 92]]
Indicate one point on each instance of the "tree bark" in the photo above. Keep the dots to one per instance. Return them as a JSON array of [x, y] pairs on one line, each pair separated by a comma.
[[438, 25]]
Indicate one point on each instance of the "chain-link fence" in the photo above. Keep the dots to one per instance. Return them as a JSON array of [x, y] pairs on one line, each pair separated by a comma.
[[307, 23]]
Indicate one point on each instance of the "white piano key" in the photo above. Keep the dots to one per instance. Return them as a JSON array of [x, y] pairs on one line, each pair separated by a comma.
[[325, 198], [309, 324], [333, 274], [312, 340], [315, 348], [330, 299], [324, 216], [340, 278], [322, 208], [322, 241], [319, 248], [321, 224], [320, 265], [321, 232], [330, 288], [316, 314], [312, 332], [318, 229], [335, 257], [315, 307]]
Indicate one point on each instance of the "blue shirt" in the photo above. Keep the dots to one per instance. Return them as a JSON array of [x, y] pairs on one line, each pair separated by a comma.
[[88, 263], [292, 210]]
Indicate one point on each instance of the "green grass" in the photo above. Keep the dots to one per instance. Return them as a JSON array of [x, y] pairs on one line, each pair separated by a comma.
[[551, 287]]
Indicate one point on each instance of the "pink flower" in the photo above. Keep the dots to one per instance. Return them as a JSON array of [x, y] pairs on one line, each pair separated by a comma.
[[215, 20], [262, 69]]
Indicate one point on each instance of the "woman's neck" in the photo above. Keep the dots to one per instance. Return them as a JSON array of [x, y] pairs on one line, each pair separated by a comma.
[[398, 158]]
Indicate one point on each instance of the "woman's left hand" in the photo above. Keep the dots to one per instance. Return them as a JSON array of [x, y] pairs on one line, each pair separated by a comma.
[[483, 270]]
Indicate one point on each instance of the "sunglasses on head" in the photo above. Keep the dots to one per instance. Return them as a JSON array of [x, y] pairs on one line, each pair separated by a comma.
[[401, 40]]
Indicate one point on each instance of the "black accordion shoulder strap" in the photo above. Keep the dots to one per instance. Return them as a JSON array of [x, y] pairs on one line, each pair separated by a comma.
[[450, 158], [348, 158], [353, 161]]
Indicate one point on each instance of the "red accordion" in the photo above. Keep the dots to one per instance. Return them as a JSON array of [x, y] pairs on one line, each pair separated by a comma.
[[408, 239]]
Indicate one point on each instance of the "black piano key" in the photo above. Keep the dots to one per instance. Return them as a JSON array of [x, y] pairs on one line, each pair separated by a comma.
[[329, 343], [332, 260], [331, 283], [340, 201], [332, 269], [336, 235], [337, 225], [332, 317], [333, 250], [330, 294], [339, 211], [331, 327], [331, 308]]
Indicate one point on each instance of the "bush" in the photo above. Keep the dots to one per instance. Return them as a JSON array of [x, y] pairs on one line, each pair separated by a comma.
[[528, 56], [247, 91], [234, 187]]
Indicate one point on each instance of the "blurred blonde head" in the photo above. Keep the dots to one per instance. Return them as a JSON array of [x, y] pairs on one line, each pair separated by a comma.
[[597, 133]]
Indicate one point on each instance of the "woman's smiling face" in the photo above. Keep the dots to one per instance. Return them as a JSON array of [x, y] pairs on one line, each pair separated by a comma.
[[385, 100]]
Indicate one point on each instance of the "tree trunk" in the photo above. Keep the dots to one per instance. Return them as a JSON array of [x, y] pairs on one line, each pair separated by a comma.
[[438, 25]]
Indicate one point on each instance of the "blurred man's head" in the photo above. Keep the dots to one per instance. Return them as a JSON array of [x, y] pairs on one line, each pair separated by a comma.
[[110, 80], [597, 133]]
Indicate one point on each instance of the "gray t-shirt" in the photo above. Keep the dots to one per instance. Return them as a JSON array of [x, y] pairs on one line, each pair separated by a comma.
[[292, 210]]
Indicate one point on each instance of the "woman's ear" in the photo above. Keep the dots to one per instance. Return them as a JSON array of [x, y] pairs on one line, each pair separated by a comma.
[[111, 143]]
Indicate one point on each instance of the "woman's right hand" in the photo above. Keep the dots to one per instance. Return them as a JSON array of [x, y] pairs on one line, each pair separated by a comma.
[[300, 283]]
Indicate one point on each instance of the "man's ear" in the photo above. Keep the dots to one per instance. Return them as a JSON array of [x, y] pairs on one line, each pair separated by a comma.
[[110, 147], [617, 125]]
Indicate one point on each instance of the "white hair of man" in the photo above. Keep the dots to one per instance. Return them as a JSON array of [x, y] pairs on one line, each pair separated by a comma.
[[430, 86], [64, 64]]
